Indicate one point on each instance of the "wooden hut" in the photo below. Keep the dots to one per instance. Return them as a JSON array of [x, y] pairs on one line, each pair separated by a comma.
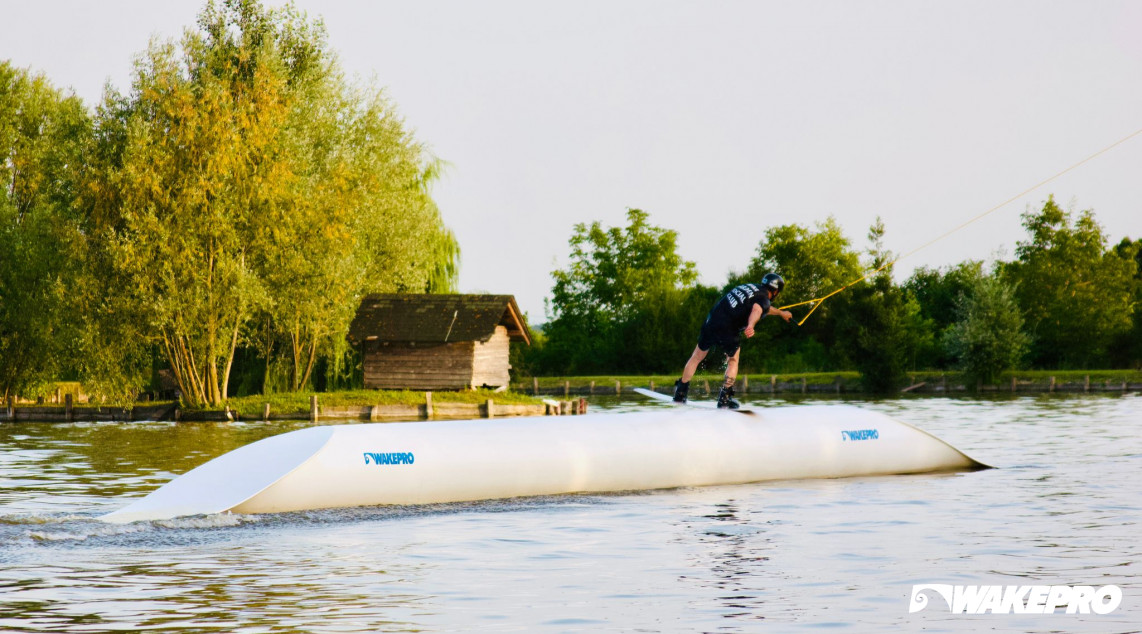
[[437, 342]]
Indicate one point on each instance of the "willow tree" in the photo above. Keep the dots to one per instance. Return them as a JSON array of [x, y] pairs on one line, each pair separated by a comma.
[[358, 217], [238, 186]]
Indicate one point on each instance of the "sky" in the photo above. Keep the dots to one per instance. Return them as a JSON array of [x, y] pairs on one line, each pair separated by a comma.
[[720, 119]]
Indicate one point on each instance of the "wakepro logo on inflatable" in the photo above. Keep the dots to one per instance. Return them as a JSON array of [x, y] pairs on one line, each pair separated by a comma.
[[1019, 599], [860, 434], [389, 458]]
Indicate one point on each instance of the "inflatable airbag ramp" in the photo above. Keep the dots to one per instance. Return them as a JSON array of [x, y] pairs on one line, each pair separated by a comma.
[[454, 461]]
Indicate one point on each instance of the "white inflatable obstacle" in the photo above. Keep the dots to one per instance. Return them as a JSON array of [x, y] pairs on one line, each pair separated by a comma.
[[452, 461]]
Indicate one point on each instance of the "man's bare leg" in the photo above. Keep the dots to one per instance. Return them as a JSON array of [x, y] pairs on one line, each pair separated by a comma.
[[696, 357], [732, 368], [682, 386], [726, 395]]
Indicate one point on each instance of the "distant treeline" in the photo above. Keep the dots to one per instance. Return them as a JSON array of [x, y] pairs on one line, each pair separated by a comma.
[[219, 220], [629, 304]]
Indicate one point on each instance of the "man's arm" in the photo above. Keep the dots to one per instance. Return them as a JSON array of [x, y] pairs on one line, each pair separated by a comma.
[[777, 312], [755, 316]]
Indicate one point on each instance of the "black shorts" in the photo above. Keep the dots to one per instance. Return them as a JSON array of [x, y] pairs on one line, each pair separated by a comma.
[[716, 332]]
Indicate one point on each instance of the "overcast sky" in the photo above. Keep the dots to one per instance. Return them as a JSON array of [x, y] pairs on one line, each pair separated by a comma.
[[718, 118]]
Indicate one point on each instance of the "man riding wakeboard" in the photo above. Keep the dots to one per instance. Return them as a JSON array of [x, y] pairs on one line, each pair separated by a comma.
[[737, 312]]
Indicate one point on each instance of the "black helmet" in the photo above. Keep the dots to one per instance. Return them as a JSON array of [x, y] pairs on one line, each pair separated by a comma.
[[773, 282]]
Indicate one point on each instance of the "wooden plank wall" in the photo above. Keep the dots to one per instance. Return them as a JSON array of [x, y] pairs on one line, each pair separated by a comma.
[[424, 367], [490, 364]]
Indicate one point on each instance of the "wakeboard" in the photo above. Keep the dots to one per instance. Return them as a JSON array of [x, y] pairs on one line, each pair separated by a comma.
[[666, 398]]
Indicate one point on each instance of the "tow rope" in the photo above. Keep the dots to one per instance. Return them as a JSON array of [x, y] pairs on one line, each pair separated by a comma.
[[820, 300]]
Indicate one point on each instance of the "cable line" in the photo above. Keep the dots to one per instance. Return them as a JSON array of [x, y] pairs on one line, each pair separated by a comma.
[[821, 300]]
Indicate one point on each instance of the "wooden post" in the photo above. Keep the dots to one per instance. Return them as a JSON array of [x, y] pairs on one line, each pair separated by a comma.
[[564, 408], [592, 389], [618, 387], [57, 400], [773, 384], [652, 386], [1086, 383], [67, 411], [1052, 387], [566, 389], [582, 406], [804, 385], [706, 386], [534, 385], [428, 410], [266, 412], [313, 407], [745, 384], [1013, 384], [491, 409], [11, 408]]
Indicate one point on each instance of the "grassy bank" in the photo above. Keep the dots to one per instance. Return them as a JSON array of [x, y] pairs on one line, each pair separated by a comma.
[[849, 381], [298, 402], [605, 383]]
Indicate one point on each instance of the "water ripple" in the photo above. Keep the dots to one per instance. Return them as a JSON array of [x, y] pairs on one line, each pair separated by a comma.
[[1064, 509]]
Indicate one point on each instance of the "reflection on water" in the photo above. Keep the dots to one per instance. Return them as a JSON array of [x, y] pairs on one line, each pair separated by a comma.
[[1063, 508], [730, 550]]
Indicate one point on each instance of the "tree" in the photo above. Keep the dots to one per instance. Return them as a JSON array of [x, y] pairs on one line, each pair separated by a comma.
[[43, 133], [937, 292], [987, 337], [880, 328], [1126, 350], [613, 274], [197, 170], [245, 194], [1077, 296]]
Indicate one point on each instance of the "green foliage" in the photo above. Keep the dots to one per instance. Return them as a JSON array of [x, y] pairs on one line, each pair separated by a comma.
[[937, 292], [987, 338], [618, 278], [612, 269], [244, 194], [1077, 296], [661, 333], [42, 138], [880, 327], [1126, 350], [880, 330]]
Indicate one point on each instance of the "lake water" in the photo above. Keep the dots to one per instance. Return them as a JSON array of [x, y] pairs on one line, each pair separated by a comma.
[[1064, 508]]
